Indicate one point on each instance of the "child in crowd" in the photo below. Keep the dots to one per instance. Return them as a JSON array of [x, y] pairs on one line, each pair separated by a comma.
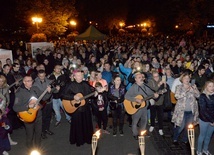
[[100, 107]]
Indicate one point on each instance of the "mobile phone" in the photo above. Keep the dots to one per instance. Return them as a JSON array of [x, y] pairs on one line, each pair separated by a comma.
[[192, 81], [164, 78]]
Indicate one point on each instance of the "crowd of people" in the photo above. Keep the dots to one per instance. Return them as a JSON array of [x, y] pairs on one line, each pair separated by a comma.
[[90, 81]]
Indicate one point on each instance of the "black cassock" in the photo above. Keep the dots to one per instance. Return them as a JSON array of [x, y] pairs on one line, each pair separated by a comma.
[[81, 128]]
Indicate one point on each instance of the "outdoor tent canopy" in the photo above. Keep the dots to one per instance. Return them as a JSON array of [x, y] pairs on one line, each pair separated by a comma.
[[91, 33]]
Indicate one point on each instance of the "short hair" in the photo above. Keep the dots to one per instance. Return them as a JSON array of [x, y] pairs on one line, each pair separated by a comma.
[[107, 63], [137, 73], [97, 72], [201, 67], [27, 76], [187, 71], [8, 59], [98, 84], [6, 65], [205, 62], [183, 75], [116, 75], [14, 64]]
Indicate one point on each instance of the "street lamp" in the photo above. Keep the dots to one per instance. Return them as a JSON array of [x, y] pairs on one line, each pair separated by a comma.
[[36, 20], [73, 23], [121, 24]]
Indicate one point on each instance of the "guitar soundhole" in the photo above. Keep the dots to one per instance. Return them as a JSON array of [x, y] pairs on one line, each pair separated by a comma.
[[137, 106], [77, 105]]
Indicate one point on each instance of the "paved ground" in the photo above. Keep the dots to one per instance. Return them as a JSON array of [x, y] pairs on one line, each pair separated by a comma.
[[58, 143]]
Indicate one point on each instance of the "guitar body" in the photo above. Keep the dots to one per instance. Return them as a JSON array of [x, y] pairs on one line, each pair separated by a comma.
[[28, 116], [71, 106], [133, 107], [172, 98]]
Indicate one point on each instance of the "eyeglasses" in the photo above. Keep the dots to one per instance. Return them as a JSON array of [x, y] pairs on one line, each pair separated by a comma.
[[29, 81], [155, 76]]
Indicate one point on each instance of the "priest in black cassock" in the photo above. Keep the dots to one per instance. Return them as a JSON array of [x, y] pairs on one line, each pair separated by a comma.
[[81, 128]]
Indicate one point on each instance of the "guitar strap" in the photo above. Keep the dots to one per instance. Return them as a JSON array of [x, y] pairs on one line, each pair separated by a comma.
[[145, 91], [145, 88], [149, 87]]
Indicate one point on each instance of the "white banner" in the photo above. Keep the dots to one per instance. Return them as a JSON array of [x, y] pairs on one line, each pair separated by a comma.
[[32, 47], [4, 54]]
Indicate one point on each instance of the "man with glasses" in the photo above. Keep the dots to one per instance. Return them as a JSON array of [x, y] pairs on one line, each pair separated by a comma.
[[26, 98], [157, 84]]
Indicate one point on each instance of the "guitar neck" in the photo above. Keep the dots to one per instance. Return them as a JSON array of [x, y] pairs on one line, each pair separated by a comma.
[[13, 84], [151, 96], [43, 94], [87, 96], [148, 97]]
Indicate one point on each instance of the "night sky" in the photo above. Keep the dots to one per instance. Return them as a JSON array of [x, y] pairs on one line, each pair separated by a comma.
[[135, 8], [163, 12]]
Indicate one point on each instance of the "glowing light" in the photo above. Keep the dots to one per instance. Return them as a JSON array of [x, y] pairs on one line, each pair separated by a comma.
[[35, 152], [190, 126], [143, 132], [73, 23], [36, 19], [121, 24], [97, 133]]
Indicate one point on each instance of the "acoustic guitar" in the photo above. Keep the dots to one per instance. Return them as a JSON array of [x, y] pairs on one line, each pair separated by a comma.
[[71, 106], [133, 107], [30, 115]]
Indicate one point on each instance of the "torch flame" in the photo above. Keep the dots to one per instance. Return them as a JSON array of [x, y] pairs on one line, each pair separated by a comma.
[[97, 133], [143, 132], [190, 126]]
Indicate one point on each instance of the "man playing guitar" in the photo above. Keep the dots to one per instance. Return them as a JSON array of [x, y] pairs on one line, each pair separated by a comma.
[[139, 88], [81, 128], [26, 98]]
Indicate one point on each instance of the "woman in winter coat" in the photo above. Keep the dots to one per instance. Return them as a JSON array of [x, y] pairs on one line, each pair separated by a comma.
[[186, 108]]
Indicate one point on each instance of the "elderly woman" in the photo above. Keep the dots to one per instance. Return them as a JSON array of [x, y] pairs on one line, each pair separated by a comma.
[[186, 109]]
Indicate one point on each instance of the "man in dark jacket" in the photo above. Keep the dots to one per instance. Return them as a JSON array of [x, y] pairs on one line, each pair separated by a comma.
[[42, 82], [200, 77], [26, 98], [60, 81]]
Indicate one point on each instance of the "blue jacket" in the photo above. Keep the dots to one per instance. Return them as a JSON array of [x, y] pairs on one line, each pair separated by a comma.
[[107, 76], [126, 72]]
